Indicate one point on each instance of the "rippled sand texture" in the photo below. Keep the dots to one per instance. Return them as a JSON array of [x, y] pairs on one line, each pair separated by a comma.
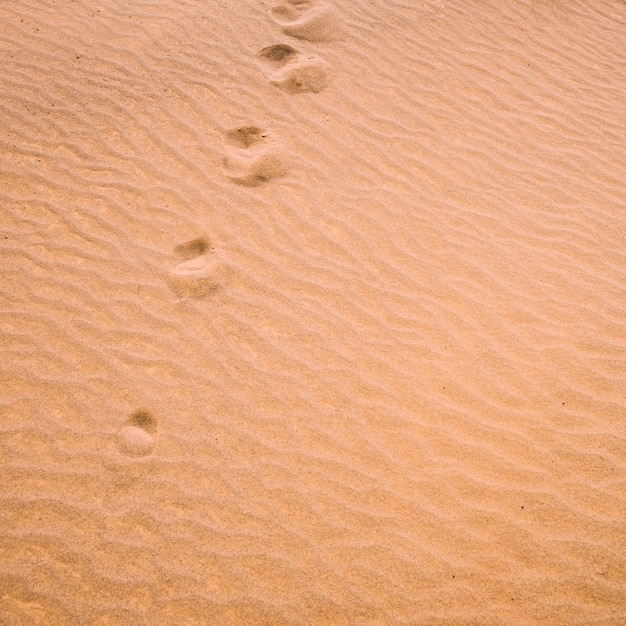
[[313, 314]]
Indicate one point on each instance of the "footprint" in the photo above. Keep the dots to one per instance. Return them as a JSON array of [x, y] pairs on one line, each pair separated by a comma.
[[201, 273], [138, 436], [308, 19], [254, 157], [292, 71]]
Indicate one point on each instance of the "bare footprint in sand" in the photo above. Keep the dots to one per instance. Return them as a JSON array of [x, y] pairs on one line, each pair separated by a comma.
[[308, 19], [292, 71], [201, 272], [138, 436], [254, 156]]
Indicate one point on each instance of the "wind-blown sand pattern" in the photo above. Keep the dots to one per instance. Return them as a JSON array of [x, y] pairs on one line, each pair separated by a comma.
[[363, 364]]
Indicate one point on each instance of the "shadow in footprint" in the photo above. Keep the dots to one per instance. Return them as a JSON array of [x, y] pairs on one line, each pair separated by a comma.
[[254, 156], [138, 436], [192, 249], [200, 274], [292, 71], [308, 19]]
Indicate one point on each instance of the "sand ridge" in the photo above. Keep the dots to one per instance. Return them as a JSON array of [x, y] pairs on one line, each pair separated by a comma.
[[313, 312]]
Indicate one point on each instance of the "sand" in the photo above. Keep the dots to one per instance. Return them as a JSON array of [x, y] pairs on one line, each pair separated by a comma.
[[313, 313]]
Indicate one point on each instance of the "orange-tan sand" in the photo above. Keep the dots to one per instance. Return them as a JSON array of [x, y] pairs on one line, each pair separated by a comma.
[[313, 313]]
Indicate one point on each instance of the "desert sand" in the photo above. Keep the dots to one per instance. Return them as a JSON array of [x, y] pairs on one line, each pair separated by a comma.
[[313, 313]]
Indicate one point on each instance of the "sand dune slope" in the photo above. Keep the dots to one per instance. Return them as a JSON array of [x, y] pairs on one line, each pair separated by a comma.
[[312, 312]]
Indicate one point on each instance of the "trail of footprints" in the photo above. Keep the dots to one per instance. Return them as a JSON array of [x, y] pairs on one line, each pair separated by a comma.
[[253, 157]]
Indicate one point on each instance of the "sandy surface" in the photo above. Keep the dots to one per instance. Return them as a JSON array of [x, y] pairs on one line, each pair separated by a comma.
[[313, 314]]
